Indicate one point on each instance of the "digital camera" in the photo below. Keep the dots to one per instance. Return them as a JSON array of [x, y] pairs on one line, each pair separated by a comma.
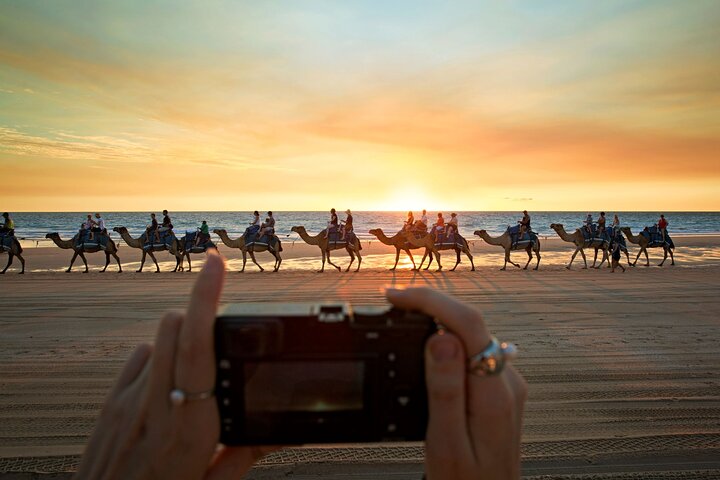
[[299, 373]]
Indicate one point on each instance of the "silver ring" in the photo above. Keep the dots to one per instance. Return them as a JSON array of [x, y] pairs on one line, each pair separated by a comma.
[[492, 359], [180, 397]]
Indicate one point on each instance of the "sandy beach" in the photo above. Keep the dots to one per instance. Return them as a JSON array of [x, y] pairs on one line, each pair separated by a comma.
[[622, 368]]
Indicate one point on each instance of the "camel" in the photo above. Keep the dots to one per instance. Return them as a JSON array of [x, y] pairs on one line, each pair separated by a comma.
[[431, 248], [14, 250], [139, 243], [644, 244], [254, 247], [506, 242], [326, 246], [399, 242], [71, 244], [581, 243]]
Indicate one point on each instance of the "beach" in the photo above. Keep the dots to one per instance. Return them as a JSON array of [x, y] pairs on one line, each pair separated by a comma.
[[622, 368]]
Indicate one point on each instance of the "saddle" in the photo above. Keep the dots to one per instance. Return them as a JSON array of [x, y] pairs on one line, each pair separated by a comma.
[[334, 238], [594, 234], [6, 241], [99, 240], [528, 236], [268, 238], [189, 243], [166, 239], [655, 237]]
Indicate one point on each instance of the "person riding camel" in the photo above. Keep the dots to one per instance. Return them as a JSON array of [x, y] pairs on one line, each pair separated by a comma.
[[452, 225], [347, 225], [589, 224], [332, 225], [439, 227], [167, 225], [662, 227], [524, 224], [152, 229], [601, 225], [254, 225], [8, 227], [422, 224], [616, 223], [86, 228], [98, 226], [268, 226], [203, 234], [410, 222]]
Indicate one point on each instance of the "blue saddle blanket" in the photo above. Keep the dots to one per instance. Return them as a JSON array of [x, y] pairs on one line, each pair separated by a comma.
[[334, 238], [189, 243], [594, 234], [616, 237], [452, 239], [528, 236], [269, 239], [655, 236], [166, 239], [99, 240], [6, 241]]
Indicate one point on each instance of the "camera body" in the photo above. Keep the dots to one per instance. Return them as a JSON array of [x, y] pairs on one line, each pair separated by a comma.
[[298, 373]]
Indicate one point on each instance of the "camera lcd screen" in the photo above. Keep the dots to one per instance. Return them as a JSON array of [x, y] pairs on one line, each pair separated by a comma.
[[318, 386]]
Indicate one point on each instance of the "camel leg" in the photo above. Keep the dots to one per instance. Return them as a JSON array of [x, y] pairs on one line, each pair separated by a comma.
[[572, 259], [647, 259], [323, 262], [411, 258], [154, 259], [529, 253], [672, 258], [604, 259], [437, 257], [423, 260], [72, 260], [142, 262], [627, 254], [278, 261], [359, 258], [637, 258], [594, 258], [189, 262], [82, 255], [537, 254], [252, 257], [10, 261], [457, 259], [665, 255], [330, 261], [472, 261], [582, 252], [117, 259], [352, 259], [397, 258], [107, 262]]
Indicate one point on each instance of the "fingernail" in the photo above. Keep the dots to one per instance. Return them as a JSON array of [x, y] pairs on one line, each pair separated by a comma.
[[443, 350]]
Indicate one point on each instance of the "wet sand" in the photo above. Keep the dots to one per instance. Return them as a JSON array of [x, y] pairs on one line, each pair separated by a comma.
[[622, 368]]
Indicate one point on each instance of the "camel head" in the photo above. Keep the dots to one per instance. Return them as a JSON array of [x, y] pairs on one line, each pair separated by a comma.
[[298, 229], [626, 230], [557, 226], [220, 231], [375, 231], [120, 229], [479, 233], [52, 235]]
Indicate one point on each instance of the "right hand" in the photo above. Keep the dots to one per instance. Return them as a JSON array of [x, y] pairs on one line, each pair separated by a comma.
[[475, 422]]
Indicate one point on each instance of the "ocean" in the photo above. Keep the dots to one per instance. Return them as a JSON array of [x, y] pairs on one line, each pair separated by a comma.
[[34, 226]]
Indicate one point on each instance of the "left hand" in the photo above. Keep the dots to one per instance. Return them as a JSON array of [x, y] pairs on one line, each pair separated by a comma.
[[140, 434]]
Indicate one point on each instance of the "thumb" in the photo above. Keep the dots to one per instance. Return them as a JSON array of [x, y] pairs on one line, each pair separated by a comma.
[[447, 443]]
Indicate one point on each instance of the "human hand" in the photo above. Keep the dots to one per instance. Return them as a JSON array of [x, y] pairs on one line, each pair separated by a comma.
[[140, 434], [475, 422]]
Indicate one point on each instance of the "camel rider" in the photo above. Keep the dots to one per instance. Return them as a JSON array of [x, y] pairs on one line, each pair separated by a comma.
[[152, 229], [98, 226], [268, 227], [8, 227], [524, 224], [662, 227], [601, 224], [254, 225], [203, 233], [332, 225], [588, 224], [616, 223], [166, 223], [452, 225], [86, 228], [439, 227], [422, 224], [410, 222], [347, 224]]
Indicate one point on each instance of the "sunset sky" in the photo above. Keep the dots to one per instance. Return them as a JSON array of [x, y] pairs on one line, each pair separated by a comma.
[[303, 105]]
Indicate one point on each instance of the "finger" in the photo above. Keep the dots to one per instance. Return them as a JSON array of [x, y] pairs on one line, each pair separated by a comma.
[[195, 363], [163, 363], [133, 366], [459, 318], [448, 446], [235, 462]]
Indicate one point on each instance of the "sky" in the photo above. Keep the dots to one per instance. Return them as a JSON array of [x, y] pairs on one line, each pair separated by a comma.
[[368, 105]]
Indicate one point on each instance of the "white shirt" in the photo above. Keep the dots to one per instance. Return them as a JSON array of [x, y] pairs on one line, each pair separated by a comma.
[[423, 219], [100, 223]]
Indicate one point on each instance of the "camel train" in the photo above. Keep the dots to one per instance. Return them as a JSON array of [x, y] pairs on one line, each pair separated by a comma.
[[340, 236]]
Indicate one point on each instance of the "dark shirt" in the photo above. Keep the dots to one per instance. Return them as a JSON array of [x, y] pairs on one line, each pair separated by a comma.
[[154, 224], [270, 222], [601, 222], [167, 222], [348, 222], [333, 220], [525, 221]]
